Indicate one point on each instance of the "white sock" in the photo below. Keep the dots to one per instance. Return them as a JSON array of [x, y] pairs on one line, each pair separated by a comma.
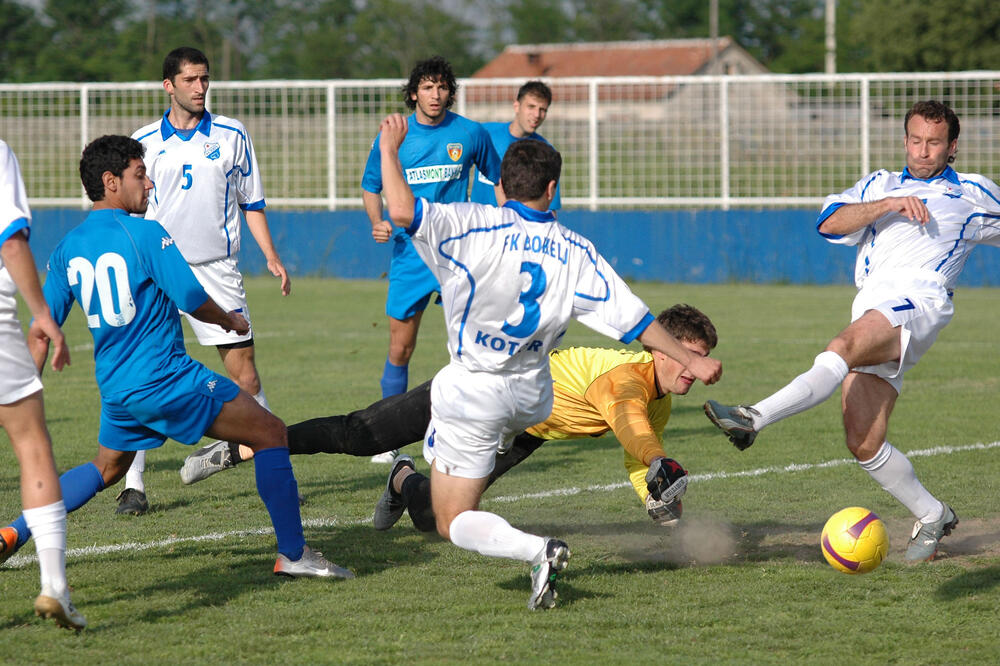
[[489, 534], [892, 470], [133, 477], [807, 390], [48, 528], [262, 400]]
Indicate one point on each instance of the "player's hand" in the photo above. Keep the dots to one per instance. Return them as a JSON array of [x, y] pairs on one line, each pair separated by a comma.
[[912, 208], [705, 368], [278, 270], [41, 333], [382, 231], [393, 131], [667, 514], [237, 323], [666, 480]]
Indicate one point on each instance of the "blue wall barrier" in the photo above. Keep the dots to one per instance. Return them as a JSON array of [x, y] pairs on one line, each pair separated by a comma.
[[696, 246]]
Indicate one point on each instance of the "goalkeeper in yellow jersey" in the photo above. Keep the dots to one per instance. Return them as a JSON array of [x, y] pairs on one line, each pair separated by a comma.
[[595, 391]]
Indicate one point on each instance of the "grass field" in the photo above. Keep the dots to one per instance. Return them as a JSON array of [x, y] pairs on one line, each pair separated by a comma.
[[742, 581]]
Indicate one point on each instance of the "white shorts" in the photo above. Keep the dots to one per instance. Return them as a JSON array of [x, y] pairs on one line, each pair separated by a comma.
[[918, 304], [473, 412], [18, 377], [224, 284]]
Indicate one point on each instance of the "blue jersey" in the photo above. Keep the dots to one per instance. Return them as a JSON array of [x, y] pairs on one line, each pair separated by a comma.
[[130, 279], [438, 160], [482, 187]]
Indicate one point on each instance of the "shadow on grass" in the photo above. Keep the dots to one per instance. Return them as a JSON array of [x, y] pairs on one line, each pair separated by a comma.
[[970, 583]]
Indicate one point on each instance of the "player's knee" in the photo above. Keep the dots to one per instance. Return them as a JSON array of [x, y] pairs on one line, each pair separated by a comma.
[[400, 352], [248, 380], [113, 468]]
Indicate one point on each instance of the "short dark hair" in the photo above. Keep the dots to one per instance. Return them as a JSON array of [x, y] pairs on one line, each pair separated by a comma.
[[109, 153], [536, 88], [435, 68], [688, 324], [934, 111], [527, 168], [175, 60]]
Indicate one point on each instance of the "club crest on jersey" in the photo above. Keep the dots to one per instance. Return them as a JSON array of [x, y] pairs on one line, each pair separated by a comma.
[[212, 151], [455, 151]]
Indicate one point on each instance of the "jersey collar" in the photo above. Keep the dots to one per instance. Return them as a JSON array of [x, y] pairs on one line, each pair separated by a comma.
[[530, 214], [948, 174], [167, 130]]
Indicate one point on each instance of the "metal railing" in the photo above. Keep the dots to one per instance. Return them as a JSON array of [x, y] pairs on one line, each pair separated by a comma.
[[639, 142]]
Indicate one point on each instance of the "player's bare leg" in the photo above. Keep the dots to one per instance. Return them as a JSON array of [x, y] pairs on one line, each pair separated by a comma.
[[456, 502], [44, 511], [242, 419], [867, 403], [395, 376]]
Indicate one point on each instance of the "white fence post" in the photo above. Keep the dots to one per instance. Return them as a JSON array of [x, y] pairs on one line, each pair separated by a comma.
[[724, 142], [866, 119], [331, 146], [84, 121], [594, 146]]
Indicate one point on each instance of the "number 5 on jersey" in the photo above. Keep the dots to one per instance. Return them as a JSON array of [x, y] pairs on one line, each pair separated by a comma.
[[116, 305]]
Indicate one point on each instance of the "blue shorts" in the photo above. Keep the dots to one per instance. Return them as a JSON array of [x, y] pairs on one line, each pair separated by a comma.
[[411, 283], [183, 407]]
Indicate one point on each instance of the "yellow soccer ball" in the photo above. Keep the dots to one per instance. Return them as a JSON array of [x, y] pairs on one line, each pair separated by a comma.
[[854, 540]]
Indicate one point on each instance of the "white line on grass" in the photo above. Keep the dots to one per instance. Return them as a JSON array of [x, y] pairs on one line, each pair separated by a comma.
[[21, 560]]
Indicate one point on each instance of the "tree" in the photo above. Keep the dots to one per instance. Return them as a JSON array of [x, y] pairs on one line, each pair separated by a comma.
[[21, 37]]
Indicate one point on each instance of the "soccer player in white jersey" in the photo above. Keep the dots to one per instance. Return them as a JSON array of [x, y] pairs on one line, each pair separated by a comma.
[[511, 279], [22, 412], [914, 230], [204, 171]]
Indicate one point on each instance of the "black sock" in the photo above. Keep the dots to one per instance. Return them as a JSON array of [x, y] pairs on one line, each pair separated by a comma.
[[234, 453], [416, 494]]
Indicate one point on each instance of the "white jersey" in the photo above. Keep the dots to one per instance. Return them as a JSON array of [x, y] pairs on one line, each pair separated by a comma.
[[18, 377], [964, 210], [512, 278], [14, 216], [200, 182]]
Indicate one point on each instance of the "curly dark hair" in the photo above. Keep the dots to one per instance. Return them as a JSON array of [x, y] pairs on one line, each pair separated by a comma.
[[109, 153], [688, 324], [527, 168], [435, 68]]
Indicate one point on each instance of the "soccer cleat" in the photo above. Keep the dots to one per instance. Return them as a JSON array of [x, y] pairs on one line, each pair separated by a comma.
[[385, 458], [49, 605], [544, 571], [132, 502], [312, 564], [8, 542], [926, 536], [390, 505], [736, 421], [206, 461]]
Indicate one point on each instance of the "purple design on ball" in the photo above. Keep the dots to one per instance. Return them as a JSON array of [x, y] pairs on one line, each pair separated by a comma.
[[857, 528], [832, 553]]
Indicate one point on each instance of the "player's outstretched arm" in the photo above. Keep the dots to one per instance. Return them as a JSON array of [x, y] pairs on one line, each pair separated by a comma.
[[850, 217], [257, 221], [210, 313], [705, 368], [21, 265], [398, 196]]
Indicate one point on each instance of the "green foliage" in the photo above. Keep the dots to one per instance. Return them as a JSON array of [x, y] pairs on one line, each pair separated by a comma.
[[745, 584]]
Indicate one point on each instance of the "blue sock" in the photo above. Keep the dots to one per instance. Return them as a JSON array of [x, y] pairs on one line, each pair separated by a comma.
[[78, 486], [394, 379], [276, 485]]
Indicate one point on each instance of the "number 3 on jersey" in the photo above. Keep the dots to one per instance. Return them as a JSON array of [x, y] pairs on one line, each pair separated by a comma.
[[529, 301], [117, 306]]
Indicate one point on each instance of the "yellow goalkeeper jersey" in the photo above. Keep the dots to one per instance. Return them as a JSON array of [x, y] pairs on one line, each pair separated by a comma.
[[597, 390]]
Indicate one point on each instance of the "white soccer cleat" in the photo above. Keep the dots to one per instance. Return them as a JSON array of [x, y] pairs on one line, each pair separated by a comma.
[[544, 571], [49, 605], [312, 564], [385, 458]]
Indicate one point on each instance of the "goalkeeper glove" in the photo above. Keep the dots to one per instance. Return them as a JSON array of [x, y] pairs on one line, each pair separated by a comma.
[[667, 514], [666, 480]]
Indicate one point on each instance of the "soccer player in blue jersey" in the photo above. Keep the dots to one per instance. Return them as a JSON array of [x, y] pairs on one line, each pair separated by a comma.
[[530, 110], [511, 279], [130, 279], [440, 154], [914, 230], [204, 172], [22, 411]]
